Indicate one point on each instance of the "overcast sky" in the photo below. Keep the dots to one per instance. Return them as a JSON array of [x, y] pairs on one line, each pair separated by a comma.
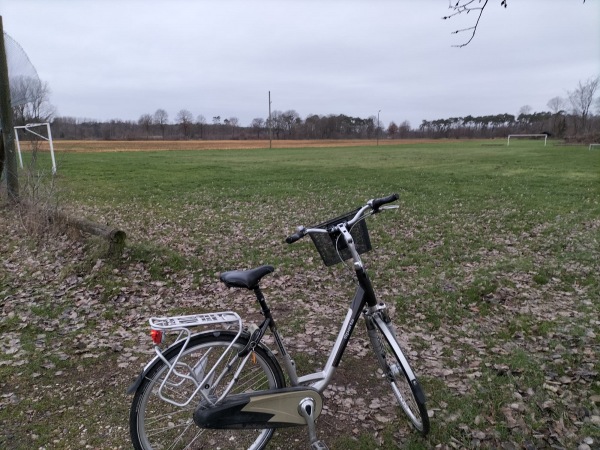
[[123, 58]]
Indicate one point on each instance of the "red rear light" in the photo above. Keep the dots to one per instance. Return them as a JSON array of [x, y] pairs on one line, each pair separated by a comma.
[[157, 336]]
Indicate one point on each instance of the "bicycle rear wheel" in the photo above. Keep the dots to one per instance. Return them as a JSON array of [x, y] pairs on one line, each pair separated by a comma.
[[398, 373], [156, 424]]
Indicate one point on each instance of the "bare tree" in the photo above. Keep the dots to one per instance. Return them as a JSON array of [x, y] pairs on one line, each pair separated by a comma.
[[392, 129], [525, 110], [216, 126], [41, 109], [161, 118], [275, 123], [372, 126], [201, 121], [258, 125], [581, 99], [404, 129], [185, 119], [20, 89], [145, 121], [289, 119], [233, 123], [556, 104], [37, 107]]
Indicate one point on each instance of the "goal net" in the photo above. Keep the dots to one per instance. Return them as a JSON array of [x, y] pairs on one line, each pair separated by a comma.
[[545, 136]]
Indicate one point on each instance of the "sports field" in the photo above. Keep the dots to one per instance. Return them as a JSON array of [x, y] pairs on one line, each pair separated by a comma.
[[491, 264]]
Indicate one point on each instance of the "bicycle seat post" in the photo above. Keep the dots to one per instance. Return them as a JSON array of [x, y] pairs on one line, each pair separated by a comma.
[[262, 302]]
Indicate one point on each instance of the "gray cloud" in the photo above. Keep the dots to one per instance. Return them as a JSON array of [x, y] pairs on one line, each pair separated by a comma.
[[124, 58]]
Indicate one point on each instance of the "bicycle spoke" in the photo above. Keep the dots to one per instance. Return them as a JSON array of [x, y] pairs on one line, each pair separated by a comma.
[[392, 363], [157, 424]]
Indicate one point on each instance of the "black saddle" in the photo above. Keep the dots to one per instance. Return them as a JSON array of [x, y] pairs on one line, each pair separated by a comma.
[[248, 279]]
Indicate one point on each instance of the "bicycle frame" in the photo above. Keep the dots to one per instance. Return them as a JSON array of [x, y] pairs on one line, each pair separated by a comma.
[[301, 403], [320, 380], [364, 296]]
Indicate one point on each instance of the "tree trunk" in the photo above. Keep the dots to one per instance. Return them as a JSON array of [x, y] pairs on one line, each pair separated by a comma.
[[114, 236], [1, 154]]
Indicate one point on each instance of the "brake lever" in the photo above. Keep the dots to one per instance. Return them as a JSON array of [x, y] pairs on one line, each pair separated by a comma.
[[382, 208]]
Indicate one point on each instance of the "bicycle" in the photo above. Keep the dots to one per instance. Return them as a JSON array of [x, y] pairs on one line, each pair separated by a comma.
[[224, 388]]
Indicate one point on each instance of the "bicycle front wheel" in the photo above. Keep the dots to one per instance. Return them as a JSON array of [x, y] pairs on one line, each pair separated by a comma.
[[157, 424], [398, 373]]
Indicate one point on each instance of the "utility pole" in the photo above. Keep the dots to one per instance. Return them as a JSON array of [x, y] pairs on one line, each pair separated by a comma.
[[270, 124], [378, 127], [6, 122]]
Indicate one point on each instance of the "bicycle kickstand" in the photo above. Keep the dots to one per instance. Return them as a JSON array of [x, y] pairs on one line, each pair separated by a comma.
[[306, 409]]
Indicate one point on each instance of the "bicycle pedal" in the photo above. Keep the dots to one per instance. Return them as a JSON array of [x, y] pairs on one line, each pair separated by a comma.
[[318, 445]]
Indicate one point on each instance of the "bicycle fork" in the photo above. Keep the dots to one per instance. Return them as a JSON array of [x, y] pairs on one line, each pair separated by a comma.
[[381, 310]]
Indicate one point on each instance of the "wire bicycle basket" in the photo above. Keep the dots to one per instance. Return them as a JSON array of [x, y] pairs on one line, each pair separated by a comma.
[[333, 248]]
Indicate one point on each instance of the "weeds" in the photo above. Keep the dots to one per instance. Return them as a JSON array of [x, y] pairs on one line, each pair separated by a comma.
[[38, 196]]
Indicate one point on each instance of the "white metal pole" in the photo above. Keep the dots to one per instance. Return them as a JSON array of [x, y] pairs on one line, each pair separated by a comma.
[[18, 147], [51, 149]]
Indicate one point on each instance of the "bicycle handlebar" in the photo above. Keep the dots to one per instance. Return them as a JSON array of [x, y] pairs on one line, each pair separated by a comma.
[[377, 203], [297, 235], [374, 204]]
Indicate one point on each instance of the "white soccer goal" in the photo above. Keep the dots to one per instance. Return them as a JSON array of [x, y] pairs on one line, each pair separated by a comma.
[[593, 145], [545, 136], [28, 128]]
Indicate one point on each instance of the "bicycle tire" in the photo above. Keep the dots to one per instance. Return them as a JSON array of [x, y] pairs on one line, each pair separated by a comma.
[[399, 374], [156, 424]]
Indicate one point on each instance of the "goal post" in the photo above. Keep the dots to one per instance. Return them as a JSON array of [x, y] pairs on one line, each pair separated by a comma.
[[28, 128], [545, 136], [593, 145]]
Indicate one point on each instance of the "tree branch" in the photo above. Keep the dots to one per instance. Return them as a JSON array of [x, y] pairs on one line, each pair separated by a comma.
[[465, 7]]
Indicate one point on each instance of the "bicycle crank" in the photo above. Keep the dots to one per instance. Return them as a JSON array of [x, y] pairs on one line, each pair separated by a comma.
[[274, 408]]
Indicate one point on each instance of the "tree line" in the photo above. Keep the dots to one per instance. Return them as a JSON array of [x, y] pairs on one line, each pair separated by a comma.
[[560, 125], [281, 125], [571, 117]]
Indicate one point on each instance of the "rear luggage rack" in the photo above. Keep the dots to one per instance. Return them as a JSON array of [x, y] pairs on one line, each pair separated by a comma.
[[195, 377], [175, 322]]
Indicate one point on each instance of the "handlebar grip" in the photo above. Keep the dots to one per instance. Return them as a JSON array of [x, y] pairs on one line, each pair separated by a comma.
[[296, 236], [378, 202]]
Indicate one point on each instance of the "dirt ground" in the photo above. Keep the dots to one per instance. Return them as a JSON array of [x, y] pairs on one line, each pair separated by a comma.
[[156, 145]]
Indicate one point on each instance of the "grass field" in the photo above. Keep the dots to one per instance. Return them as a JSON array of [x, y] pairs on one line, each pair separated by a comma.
[[491, 264]]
